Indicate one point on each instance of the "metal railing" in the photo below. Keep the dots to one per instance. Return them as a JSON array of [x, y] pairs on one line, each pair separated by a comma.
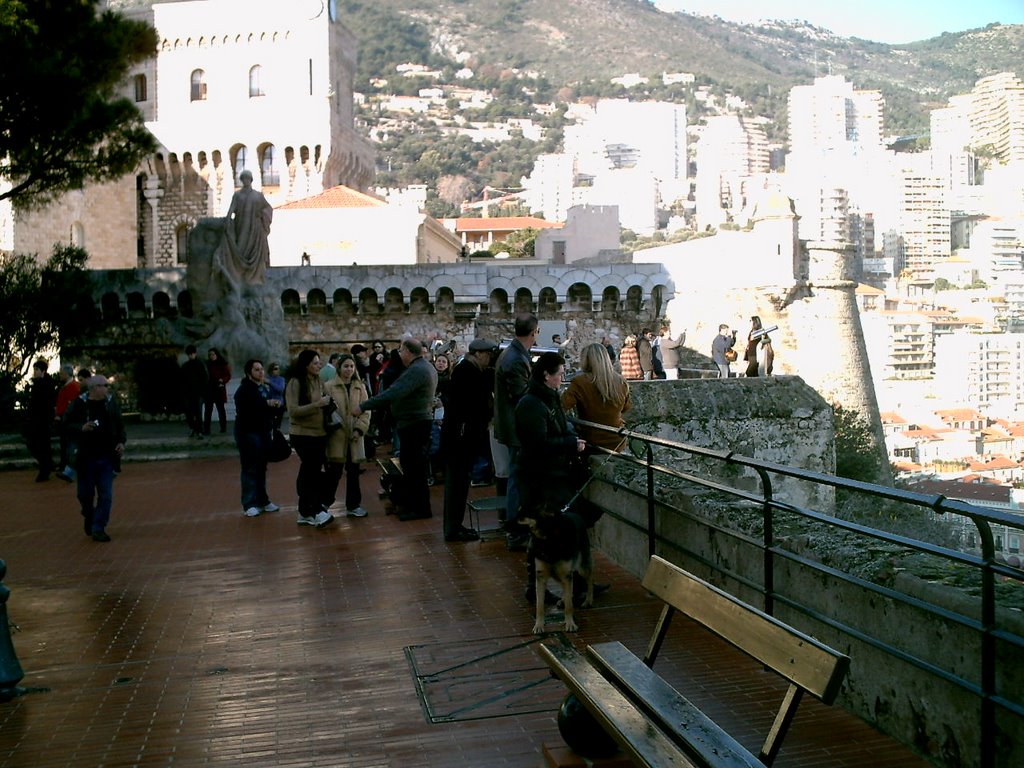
[[641, 455]]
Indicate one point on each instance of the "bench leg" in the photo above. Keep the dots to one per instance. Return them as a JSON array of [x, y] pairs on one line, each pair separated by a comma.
[[786, 713]]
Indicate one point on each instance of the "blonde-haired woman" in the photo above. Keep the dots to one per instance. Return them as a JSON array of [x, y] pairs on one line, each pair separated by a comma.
[[345, 445], [598, 394], [629, 360]]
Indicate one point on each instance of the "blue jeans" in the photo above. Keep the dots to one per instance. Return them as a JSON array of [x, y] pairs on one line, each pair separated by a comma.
[[252, 452], [96, 489]]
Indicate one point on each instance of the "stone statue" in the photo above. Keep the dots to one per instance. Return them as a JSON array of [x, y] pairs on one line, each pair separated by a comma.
[[234, 310], [244, 252]]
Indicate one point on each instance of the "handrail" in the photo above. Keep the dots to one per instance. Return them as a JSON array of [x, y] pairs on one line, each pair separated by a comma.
[[990, 701]]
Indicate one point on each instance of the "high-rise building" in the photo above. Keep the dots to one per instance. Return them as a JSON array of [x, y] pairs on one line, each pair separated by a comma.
[[835, 150], [730, 153], [997, 116], [830, 114], [923, 214]]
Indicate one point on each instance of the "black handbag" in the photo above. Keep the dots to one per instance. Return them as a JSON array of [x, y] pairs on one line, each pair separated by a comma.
[[332, 419], [280, 449]]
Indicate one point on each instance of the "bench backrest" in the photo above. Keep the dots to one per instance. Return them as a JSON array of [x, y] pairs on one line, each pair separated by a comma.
[[805, 662]]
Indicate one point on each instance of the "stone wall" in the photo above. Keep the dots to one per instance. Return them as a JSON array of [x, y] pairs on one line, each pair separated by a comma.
[[143, 318], [100, 218]]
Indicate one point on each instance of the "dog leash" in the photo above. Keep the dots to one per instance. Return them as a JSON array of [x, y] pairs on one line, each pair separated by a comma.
[[593, 474]]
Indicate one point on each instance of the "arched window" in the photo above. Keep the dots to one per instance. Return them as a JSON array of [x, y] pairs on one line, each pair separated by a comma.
[[498, 302], [316, 301], [579, 296], [343, 302], [290, 302], [523, 301], [239, 162], [269, 177], [255, 84], [181, 242], [198, 85], [78, 235], [139, 81]]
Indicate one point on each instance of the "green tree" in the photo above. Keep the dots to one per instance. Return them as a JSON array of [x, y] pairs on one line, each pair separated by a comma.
[[857, 456], [62, 121], [41, 304]]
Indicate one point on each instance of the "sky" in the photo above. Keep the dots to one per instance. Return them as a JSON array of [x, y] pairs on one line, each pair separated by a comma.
[[884, 21]]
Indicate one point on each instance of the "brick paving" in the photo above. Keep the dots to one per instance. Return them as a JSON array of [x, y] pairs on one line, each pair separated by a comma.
[[201, 637]]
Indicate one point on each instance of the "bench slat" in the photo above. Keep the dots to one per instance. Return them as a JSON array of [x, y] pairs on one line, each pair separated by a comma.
[[670, 710], [797, 657], [619, 717]]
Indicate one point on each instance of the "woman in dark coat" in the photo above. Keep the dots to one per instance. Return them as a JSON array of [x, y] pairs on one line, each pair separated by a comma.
[[254, 415], [549, 445]]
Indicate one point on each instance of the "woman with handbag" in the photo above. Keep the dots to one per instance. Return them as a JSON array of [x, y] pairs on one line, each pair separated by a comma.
[[600, 395], [308, 410], [253, 426], [345, 444]]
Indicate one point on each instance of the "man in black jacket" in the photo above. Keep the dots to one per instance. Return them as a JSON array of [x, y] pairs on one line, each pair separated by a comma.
[[94, 420], [464, 435], [511, 379], [42, 398]]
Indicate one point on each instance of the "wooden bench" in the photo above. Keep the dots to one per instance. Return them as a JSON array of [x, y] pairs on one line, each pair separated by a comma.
[[656, 725]]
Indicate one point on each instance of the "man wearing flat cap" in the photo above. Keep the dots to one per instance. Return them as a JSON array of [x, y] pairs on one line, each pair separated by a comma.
[[464, 436]]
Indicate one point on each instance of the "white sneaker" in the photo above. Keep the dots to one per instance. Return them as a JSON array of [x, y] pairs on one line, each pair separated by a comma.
[[323, 518], [357, 512], [252, 512], [302, 520], [271, 507]]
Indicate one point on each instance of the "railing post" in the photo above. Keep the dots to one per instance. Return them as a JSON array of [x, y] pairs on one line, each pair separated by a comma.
[[988, 645], [769, 542], [650, 502]]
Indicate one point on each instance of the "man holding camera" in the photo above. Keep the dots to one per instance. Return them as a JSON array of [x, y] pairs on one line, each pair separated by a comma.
[[722, 352]]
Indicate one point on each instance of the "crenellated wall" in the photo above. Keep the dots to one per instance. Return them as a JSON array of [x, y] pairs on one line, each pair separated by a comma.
[[140, 320]]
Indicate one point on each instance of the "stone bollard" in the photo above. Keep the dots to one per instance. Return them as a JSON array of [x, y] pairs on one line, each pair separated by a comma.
[[10, 670]]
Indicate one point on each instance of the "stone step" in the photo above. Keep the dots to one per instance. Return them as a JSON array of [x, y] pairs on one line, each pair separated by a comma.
[[142, 446]]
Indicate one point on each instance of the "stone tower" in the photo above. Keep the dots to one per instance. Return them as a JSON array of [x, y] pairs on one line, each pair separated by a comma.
[[831, 354]]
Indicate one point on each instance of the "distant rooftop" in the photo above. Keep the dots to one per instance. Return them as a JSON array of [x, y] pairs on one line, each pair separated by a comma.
[[336, 197]]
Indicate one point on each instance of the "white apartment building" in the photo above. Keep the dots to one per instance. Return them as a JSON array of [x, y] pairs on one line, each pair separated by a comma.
[[836, 164], [982, 370], [548, 190], [997, 116], [648, 135], [922, 215], [731, 152], [830, 114]]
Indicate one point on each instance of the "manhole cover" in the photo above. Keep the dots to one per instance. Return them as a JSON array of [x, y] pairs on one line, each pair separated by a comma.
[[480, 679]]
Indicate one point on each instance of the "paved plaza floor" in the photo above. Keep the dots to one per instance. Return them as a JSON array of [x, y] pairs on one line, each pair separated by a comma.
[[201, 637]]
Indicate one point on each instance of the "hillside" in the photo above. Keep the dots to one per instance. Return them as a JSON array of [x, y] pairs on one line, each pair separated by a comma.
[[577, 40]]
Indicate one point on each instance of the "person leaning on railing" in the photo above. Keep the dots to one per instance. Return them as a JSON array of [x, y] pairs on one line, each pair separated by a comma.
[[600, 395]]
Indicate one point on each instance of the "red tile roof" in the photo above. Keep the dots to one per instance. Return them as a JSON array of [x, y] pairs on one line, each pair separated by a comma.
[[336, 197], [996, 462], [502, 224], [891, 417], [959, 414]]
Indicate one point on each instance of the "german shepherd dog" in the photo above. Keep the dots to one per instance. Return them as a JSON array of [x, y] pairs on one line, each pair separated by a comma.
[[559, 546]]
